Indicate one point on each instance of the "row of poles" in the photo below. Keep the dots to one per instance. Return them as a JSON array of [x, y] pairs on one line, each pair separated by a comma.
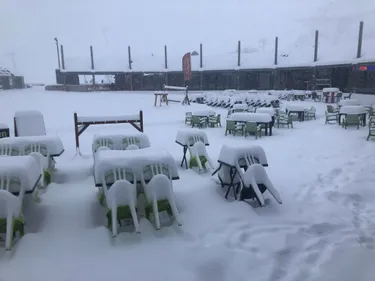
[[61, 63]]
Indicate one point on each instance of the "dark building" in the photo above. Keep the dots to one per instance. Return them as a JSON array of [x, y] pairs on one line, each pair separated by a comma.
[[10, 81]]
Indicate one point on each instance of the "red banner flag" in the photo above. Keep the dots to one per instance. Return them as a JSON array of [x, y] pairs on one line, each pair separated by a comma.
[[186, 67]]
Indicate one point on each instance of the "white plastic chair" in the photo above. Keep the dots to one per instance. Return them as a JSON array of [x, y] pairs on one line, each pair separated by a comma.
[[121, 178], [10, 209], [12, 184], [159, 187], [130, 141], [40, 152], [8, 150], [197, 150], [102, 142]]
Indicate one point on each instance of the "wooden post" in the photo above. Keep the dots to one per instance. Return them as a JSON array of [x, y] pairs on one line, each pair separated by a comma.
[[62, 57], [76, 132], [15, 127], [156, 99], [316, 46], [201, 80], [276, 50], [239, 54], [129, 58], [92, 63], [360, 37], [165, 57], [141, 120], [201, 55]]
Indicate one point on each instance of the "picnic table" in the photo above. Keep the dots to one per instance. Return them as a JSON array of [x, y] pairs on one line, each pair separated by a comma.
[[259, 118], [353, 110]]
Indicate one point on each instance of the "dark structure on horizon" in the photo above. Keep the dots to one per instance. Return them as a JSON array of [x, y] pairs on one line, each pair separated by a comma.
[[10, 81], [352, 76]]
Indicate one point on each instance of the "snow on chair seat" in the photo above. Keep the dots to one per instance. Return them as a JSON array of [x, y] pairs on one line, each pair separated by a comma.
[[255, 182], [11, 220], [159, 192], [29, 123]]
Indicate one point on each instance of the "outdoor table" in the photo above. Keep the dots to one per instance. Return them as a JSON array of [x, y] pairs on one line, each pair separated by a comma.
[[355, 110], [259, 118], [187, 138], [296, 109]]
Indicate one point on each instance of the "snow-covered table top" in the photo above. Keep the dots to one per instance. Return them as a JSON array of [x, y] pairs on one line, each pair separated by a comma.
[[299, 94], [331, 90], [269, 110], [240, 106], [3, 126], [206, 113], [352, 109], [185, 136], [24, 168], [292, 107], [251, 117], [349, 102], [136, 160], [118, 138], [30, 123], [229, 155], [53, 143]]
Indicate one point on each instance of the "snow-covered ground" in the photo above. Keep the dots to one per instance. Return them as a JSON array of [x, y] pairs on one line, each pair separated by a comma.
[[325, 175]]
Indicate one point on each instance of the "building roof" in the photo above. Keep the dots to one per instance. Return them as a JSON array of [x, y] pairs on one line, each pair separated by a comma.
[[5, 72]]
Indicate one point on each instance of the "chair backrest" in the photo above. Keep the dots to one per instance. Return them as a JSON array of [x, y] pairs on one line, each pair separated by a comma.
[[103, 142], [130, 141], [37, 147], [29, 123], [251, 126], [188, 114], [352, 118], [231, 124], [124, 173], [193, 139], [156, 169], [10, 184], [7, 149], [212, 119], [218, 118], [329, 108], [196, 119]]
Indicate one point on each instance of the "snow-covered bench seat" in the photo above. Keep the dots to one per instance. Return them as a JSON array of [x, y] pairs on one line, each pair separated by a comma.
[[120, 141], [353, 110], [228, 159], [24, 172], [189, 137], [53, 143], [260, 118], [106, 160]]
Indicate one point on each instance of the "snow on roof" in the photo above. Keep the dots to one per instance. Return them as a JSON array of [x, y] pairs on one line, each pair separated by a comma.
[[231, 154], [250, 117], [53, 143], [349, 102], [184, 136], [106, 160], [352, 109], [24, 168], [30, 123], [117, 139], [134, 117]]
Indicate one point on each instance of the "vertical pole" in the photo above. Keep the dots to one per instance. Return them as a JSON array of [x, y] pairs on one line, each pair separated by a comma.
[[76, 132], [141, 120], [201, 55], [276, 50], [92, 63], [316, 46], [58, 53], [129, 57], [62, 57], [239, 54], [360, 37], [165, 57]]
